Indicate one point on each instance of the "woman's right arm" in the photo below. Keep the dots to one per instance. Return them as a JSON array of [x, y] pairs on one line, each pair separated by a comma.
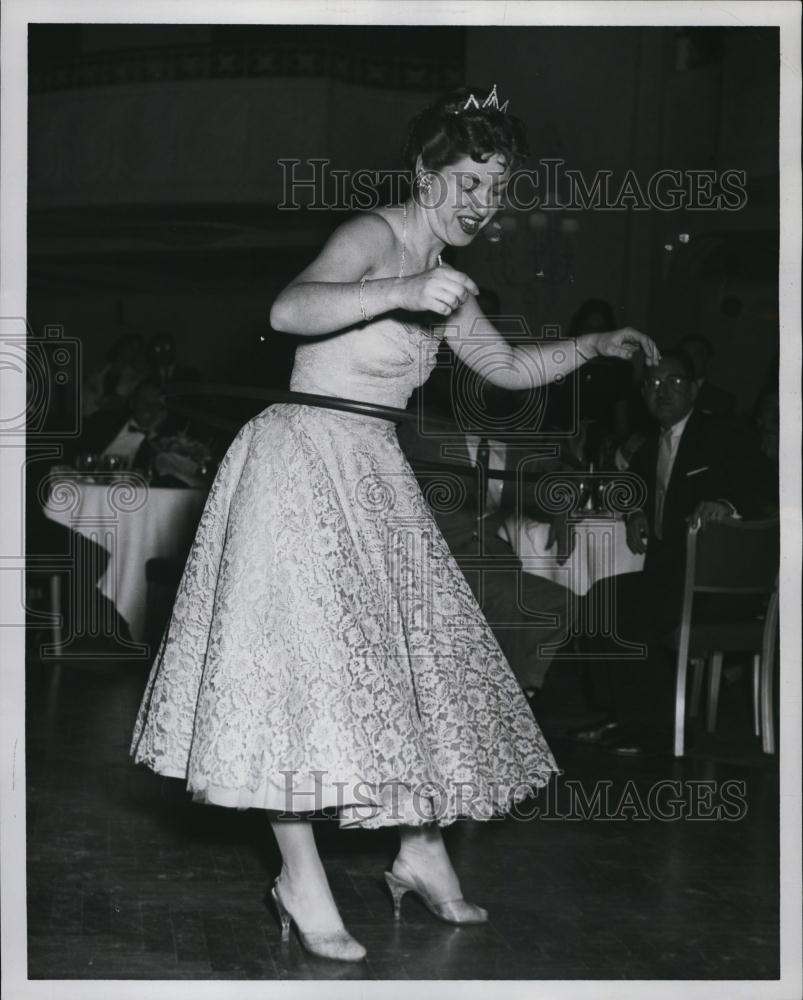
[[325, 297]]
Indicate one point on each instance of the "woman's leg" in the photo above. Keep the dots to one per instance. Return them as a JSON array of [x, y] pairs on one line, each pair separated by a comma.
[[422, 849], [424, 866], [303, 886]]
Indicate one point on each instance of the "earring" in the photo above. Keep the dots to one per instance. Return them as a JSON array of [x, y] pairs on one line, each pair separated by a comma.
[[493, 231], [424, 182]]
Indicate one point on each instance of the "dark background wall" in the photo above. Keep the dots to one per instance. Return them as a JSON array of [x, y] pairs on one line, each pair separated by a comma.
[[154, 183]]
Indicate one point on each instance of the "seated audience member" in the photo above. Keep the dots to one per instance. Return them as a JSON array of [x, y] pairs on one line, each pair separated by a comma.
[[596, 395], [593, 316], [525, 612], [150, 439], [164, 366], [695, 468], [109, 387], [710, 398], [131, 437]]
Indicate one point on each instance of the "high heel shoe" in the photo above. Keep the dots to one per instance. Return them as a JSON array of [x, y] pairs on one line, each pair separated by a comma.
[[452, 911], [339, 946]]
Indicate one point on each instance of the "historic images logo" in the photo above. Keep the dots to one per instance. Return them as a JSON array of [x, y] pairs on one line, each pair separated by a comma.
[[315, 185]]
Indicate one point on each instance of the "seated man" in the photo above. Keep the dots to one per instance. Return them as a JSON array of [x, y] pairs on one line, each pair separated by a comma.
[[150, 438], [695, 468], [527, 613], [129, 436]]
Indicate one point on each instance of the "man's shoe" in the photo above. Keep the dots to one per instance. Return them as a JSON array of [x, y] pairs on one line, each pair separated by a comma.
[[602, 733], [625, 747], [631, 742]]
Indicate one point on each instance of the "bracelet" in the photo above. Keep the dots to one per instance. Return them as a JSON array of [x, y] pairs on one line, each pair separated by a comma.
[[577, 348], [365, 315]]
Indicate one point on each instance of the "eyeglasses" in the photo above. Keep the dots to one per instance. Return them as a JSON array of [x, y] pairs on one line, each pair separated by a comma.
[[675, 382]]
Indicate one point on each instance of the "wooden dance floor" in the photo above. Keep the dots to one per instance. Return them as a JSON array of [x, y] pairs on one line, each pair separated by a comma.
[[128, 879]]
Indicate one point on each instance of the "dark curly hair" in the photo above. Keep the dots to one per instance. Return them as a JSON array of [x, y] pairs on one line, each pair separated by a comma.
[[592, 307], [443, 133]]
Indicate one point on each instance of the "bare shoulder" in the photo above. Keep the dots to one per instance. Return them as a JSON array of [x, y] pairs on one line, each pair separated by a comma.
[[358, 246], [373, 238], [377, 237], [368, 226]]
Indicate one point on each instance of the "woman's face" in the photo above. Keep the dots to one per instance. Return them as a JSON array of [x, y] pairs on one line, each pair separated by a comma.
[[465, 196]]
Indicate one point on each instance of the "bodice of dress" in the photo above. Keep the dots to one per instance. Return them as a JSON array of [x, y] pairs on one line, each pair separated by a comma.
[[379, 363]]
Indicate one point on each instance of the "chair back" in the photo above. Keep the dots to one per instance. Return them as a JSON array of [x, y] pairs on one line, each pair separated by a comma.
[[728, 557], [733, 557]]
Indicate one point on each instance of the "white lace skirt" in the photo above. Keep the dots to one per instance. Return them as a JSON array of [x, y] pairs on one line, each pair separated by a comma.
[[324, 648]]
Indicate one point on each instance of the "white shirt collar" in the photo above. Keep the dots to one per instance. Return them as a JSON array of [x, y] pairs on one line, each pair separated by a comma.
[[497, 449]]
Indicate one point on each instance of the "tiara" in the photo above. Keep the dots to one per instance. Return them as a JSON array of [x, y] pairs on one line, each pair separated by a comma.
[[491, 101]]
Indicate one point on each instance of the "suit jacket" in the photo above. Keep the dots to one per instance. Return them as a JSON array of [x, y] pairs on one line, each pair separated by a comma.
[[527, 613], [715, 401], [460, 522], [716, 459]]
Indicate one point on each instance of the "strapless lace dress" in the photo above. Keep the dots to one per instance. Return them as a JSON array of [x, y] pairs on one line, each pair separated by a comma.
[[324, 649]]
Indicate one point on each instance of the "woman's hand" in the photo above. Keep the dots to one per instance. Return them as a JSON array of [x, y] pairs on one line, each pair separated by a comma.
[[625, 344], [440, 290]]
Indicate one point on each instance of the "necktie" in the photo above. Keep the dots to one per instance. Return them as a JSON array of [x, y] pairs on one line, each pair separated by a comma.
[[662, 473], [484, 462]]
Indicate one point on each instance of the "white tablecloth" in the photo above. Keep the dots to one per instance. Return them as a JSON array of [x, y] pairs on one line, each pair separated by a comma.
[[134, 523], [600, 551]]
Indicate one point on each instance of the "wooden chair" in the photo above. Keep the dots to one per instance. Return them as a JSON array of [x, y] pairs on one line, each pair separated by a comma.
[[728, 558]]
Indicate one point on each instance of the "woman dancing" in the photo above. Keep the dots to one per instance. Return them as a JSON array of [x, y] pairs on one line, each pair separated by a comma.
[[324, 648]]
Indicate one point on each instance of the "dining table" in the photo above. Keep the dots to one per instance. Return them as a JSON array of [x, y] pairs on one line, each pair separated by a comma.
[[600, 549], [134, 522]]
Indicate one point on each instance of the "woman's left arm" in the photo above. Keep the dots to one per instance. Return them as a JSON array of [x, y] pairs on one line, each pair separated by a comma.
[[478, 344]]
